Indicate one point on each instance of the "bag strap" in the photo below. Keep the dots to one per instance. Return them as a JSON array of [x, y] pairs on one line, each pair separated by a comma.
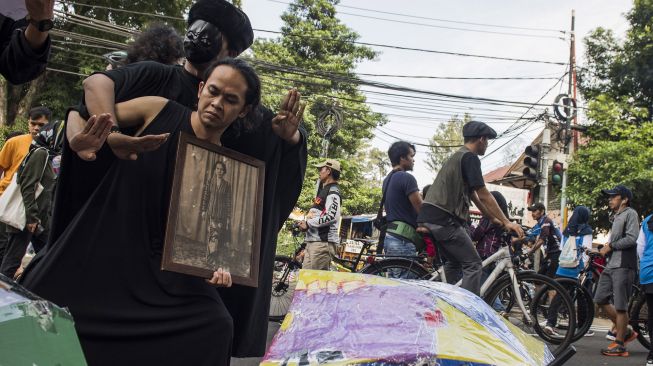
[[379, 214], [24, 162]]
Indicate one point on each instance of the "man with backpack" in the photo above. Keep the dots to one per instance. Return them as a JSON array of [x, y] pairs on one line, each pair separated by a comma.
[[545, 233]]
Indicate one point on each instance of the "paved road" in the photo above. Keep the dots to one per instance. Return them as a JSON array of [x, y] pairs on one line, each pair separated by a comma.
[[588, 351]]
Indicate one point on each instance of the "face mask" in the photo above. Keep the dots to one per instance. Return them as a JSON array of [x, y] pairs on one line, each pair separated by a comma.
[[203, 42]]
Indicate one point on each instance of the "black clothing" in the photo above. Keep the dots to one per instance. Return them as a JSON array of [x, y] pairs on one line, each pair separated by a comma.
[[397, 202], [16, 247], [105, 267], [460, 176], [19, 63], [232, 21], [478, 129], [284, 174], [472, 173]]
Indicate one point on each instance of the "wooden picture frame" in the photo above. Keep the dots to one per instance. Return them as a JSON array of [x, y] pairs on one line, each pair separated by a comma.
[[215, 213]]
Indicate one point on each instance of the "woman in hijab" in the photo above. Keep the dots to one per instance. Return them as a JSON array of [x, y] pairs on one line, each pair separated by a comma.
[[36, 178], [578, 230]]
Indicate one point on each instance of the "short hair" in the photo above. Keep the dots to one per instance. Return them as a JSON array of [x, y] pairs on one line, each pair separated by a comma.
[[398, 150], [334, 174], [38, 112], [158, 42], [468, 139]]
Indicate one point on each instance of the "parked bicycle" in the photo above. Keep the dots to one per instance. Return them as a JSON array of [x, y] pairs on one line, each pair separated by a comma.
[[521, 294], [286, 270]]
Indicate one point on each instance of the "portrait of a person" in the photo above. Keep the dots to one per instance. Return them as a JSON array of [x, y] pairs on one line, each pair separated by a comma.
[[217, 208]]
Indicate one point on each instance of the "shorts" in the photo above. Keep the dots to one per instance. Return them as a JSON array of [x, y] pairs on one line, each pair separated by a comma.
[[616, 283]]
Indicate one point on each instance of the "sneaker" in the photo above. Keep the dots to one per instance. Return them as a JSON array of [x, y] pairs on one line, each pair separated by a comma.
[[649, 362], [611, 336], [632, 335], [590, 333], [615, 349], [552, 332]]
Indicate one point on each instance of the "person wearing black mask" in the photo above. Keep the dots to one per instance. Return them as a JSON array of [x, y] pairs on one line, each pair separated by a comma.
[[216, 30]]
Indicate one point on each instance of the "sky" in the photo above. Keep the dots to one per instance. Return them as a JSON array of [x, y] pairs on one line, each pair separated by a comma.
[[416, 123]]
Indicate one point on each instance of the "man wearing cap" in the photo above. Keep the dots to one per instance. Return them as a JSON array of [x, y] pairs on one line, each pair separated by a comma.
[[617, 279], [321, 224], [544, 233], [445, 211], [216, 30]]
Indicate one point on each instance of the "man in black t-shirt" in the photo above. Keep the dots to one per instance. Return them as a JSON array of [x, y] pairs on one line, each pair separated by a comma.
[[402, 203], [445, 211], [545, 234]]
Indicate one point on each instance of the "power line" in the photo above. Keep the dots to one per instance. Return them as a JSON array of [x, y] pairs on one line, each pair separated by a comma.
[[440, 26], [414, 49], [340, 40], [453, 21]]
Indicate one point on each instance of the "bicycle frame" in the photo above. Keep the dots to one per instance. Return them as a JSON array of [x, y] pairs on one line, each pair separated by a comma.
[[503, 259]]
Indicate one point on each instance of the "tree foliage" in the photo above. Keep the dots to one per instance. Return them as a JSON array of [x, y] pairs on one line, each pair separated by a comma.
[[74, 58], [313, 45], [617, 82], [447, 134]]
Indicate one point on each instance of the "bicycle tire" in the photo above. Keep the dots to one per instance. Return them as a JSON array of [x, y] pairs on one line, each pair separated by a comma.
[[385, 267], [530, 281], [639, 319], [582, 301], [283, 286]]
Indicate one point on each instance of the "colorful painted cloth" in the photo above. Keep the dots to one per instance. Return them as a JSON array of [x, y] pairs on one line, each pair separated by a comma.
[[350, 318]]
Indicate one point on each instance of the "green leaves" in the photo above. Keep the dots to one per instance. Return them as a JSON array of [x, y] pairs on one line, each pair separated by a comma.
[[314, 46]]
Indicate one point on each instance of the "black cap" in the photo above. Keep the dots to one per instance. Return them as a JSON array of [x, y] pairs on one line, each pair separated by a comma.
[[478, 129], [619, 189], [537, 206], [231, 21]]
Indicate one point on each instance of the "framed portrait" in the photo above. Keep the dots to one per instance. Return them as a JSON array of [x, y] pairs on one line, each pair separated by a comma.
[[214, 219]]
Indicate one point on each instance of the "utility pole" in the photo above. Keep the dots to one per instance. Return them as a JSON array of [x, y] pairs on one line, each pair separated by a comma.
[[570, 114], [544, 172]]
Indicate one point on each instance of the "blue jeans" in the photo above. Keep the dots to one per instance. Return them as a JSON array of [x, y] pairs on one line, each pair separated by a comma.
[[394, 246]]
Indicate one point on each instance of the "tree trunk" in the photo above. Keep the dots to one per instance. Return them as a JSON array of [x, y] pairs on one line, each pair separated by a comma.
[[3, 101], [26, 102], [14, 95]]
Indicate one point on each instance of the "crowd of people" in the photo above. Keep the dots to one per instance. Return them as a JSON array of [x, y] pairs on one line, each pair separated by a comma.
[[96, 190]]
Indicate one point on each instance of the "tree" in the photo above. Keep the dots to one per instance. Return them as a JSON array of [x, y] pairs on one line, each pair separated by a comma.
[[617, 82], [75, 58], [447, 134], [316, 54]]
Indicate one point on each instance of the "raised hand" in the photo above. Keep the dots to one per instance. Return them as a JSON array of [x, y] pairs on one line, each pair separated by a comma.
[[128, 147], [90, 140], [286, 123]]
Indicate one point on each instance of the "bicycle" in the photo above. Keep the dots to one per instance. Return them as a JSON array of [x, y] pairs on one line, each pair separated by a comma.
[[520, 293], [638, 314], [284, 277]]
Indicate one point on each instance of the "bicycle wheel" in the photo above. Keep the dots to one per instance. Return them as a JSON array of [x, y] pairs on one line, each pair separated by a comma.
[[284, 280], [639, 319], [533, 288], [396, 268], [583, 305]]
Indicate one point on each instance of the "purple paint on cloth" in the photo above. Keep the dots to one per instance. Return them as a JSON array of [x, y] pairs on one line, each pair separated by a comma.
[[371, 322]]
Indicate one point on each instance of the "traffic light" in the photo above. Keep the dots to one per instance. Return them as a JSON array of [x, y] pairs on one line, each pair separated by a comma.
[[532, 162], [557, 170]]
